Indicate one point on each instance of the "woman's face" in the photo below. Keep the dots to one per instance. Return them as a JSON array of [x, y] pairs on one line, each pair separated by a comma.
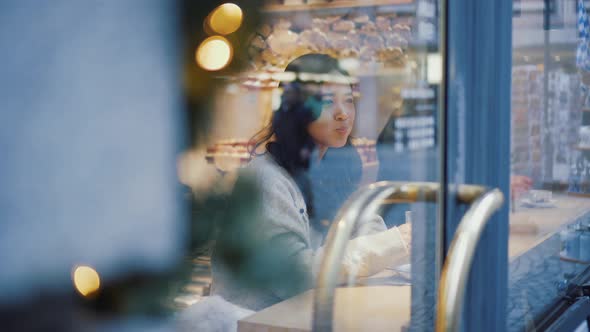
[[333, 126]]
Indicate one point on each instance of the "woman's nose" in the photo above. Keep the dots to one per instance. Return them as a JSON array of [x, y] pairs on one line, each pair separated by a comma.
[[340, 113]]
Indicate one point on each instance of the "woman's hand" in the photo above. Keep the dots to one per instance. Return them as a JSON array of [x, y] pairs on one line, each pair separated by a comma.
[[405, 232], [370, 254]]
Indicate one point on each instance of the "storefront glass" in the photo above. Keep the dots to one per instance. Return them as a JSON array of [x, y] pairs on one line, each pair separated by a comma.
[[377, 80], [549, 240]]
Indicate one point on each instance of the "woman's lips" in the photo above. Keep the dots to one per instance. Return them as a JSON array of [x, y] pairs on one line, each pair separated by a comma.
[[342, 130]]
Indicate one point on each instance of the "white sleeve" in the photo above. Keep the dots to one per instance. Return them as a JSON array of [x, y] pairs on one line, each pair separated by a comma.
[[371, 226], [370, 254]]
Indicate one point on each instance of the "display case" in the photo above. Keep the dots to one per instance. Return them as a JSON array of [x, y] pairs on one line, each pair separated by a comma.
[[384, 43]]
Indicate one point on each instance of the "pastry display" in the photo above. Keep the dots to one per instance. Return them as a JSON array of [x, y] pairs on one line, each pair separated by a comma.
[[369, 28], [361, 19], [320, 23], [282, 24], [372, 40], [282, 42], [403, 30], [343, 26], [313, 40], [367, 54], [264, 31], [395, 57], [355, 37], [393, 40], [341, 44], [381, 38], [268, 56], [383, 23]]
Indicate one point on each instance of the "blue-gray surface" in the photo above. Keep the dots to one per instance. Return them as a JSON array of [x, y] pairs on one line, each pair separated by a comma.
[[537, 278], [89, 131]]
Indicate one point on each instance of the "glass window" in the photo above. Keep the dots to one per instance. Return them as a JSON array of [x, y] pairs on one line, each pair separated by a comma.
[[337, 95], [549, 240]]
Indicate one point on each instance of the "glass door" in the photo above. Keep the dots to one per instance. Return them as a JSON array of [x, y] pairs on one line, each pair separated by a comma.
[[338, 95]]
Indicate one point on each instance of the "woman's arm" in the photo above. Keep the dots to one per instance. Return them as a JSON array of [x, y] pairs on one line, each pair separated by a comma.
[[284, 233], [293, 264]]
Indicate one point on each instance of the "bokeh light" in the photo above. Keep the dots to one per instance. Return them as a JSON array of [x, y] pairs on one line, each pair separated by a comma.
[[226, 18], [214, 53], [86, 280]]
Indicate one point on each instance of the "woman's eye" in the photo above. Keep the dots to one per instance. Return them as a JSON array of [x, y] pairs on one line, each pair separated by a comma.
[[349, 100], [327, 102]]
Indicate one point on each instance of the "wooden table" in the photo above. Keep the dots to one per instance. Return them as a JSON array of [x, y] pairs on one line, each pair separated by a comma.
[[371, 308]]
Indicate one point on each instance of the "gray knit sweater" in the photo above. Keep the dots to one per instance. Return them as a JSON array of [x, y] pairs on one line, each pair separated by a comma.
[[284, 215]]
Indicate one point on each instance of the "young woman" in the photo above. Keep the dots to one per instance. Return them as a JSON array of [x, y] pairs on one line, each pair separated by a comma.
[[308, 170]]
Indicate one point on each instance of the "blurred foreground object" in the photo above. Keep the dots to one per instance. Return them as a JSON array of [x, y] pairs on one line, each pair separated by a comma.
[[90, 131], [97, 101]]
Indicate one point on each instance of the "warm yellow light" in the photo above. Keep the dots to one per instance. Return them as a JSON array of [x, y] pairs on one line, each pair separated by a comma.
[[214, 53], [226, 18], [86, 280]]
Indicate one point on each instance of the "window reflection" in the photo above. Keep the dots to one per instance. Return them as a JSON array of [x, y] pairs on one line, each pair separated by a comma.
[[550, 162], [305, 166], [337, 94]]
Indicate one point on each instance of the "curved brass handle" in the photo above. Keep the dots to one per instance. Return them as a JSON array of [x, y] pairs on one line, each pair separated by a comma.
[[364, 203], [457, 265]]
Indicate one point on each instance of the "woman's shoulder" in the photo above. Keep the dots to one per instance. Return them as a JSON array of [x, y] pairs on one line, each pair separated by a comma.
[[267, 172], [262, 162], [263, 166], [274, 183]]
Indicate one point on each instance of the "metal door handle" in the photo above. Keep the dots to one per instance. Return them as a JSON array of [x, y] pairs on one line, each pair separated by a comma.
[[364, 203], [457, 265]]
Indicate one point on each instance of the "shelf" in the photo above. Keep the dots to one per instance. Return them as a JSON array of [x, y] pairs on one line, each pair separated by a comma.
[[582, 148], [399, 73], [578, 194], [276, 8], [585, 109]]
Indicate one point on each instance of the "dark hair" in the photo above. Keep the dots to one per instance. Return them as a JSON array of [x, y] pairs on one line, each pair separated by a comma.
[[286, 137], [287, 140]]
